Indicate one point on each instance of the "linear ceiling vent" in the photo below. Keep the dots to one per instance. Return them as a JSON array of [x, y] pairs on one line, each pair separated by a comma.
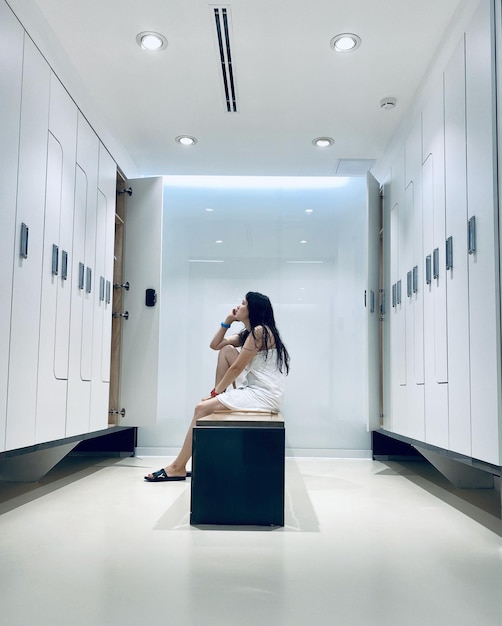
[[222, 23]]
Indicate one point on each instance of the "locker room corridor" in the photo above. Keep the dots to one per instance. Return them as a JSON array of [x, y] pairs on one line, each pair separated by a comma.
[[365, 542]]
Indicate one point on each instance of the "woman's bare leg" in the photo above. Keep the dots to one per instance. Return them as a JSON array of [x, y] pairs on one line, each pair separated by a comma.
[[226, 357], [178, 466]]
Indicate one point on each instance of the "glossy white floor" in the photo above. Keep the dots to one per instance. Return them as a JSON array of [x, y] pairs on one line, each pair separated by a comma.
[[364, 543]]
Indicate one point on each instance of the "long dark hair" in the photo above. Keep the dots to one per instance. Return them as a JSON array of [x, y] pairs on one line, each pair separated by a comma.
[[261, 314]]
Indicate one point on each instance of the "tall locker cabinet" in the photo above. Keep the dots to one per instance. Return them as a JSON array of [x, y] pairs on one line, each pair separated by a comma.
[[28, 250], [57, 256], [11, 68]]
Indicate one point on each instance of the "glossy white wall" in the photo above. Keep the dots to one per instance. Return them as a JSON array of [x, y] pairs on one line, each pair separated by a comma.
[[317, 289]]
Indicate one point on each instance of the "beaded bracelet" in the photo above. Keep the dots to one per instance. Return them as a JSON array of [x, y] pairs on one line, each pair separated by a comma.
[[225, 325]]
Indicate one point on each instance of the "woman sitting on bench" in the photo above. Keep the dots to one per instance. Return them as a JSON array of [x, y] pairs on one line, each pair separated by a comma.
[[262, 358]]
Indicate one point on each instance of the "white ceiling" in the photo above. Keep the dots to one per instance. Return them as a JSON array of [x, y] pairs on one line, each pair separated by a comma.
[[291, 86]]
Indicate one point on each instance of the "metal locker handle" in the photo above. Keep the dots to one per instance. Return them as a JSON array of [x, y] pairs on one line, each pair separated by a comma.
[[449, 253], [415, 279], [435, 263], [398, 291], [55, 259], [101, 289], [372, 301], [108, 292], [408, 283], [88, 280], [471, 235], [24, 241], [394, 295], [428, 269], [64, 265], [81, 275], [382, 301]]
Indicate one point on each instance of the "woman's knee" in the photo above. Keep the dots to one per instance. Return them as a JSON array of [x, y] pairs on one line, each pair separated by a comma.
[[206, 407], [228, 353]]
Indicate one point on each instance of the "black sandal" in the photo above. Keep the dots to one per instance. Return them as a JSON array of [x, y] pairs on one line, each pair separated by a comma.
[[160, 476]]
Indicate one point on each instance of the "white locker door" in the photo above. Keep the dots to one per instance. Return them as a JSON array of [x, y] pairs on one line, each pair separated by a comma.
[[55, 303], [436, 389], [397, 327], [100, 388], [415, 401], [483, 258], [373, 363], [25, 320], [82, 311], [140, 333], [11, 71], [417, 292], [398, 295], [404, 321], [459, 383], [87, 159], [107, 186]]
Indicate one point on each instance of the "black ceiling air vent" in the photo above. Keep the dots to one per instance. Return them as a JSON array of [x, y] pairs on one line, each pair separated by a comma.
[[221, 18]]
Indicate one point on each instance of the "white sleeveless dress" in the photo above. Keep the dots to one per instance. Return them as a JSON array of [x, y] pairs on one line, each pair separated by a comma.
[[261, 389]]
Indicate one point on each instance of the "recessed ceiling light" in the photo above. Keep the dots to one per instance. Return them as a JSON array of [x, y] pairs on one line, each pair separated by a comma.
[[148, 40], [186, 140], [345, 42], [323, 142], [219, 241], [309, 210], [303, 241], [209, 210]]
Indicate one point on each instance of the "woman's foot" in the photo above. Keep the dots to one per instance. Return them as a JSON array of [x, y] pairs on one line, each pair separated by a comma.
[[167, 474]]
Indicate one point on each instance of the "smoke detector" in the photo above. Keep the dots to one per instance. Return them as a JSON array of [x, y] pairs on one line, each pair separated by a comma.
[[388, 103]]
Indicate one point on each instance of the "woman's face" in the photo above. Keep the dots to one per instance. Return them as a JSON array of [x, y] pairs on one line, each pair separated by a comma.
[[241, 311]]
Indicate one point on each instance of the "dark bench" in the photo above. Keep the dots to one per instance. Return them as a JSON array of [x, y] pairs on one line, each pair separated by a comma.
[[238, 469]]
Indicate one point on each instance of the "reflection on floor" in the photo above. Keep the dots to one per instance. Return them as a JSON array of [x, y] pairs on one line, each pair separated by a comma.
[[364, 543]]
